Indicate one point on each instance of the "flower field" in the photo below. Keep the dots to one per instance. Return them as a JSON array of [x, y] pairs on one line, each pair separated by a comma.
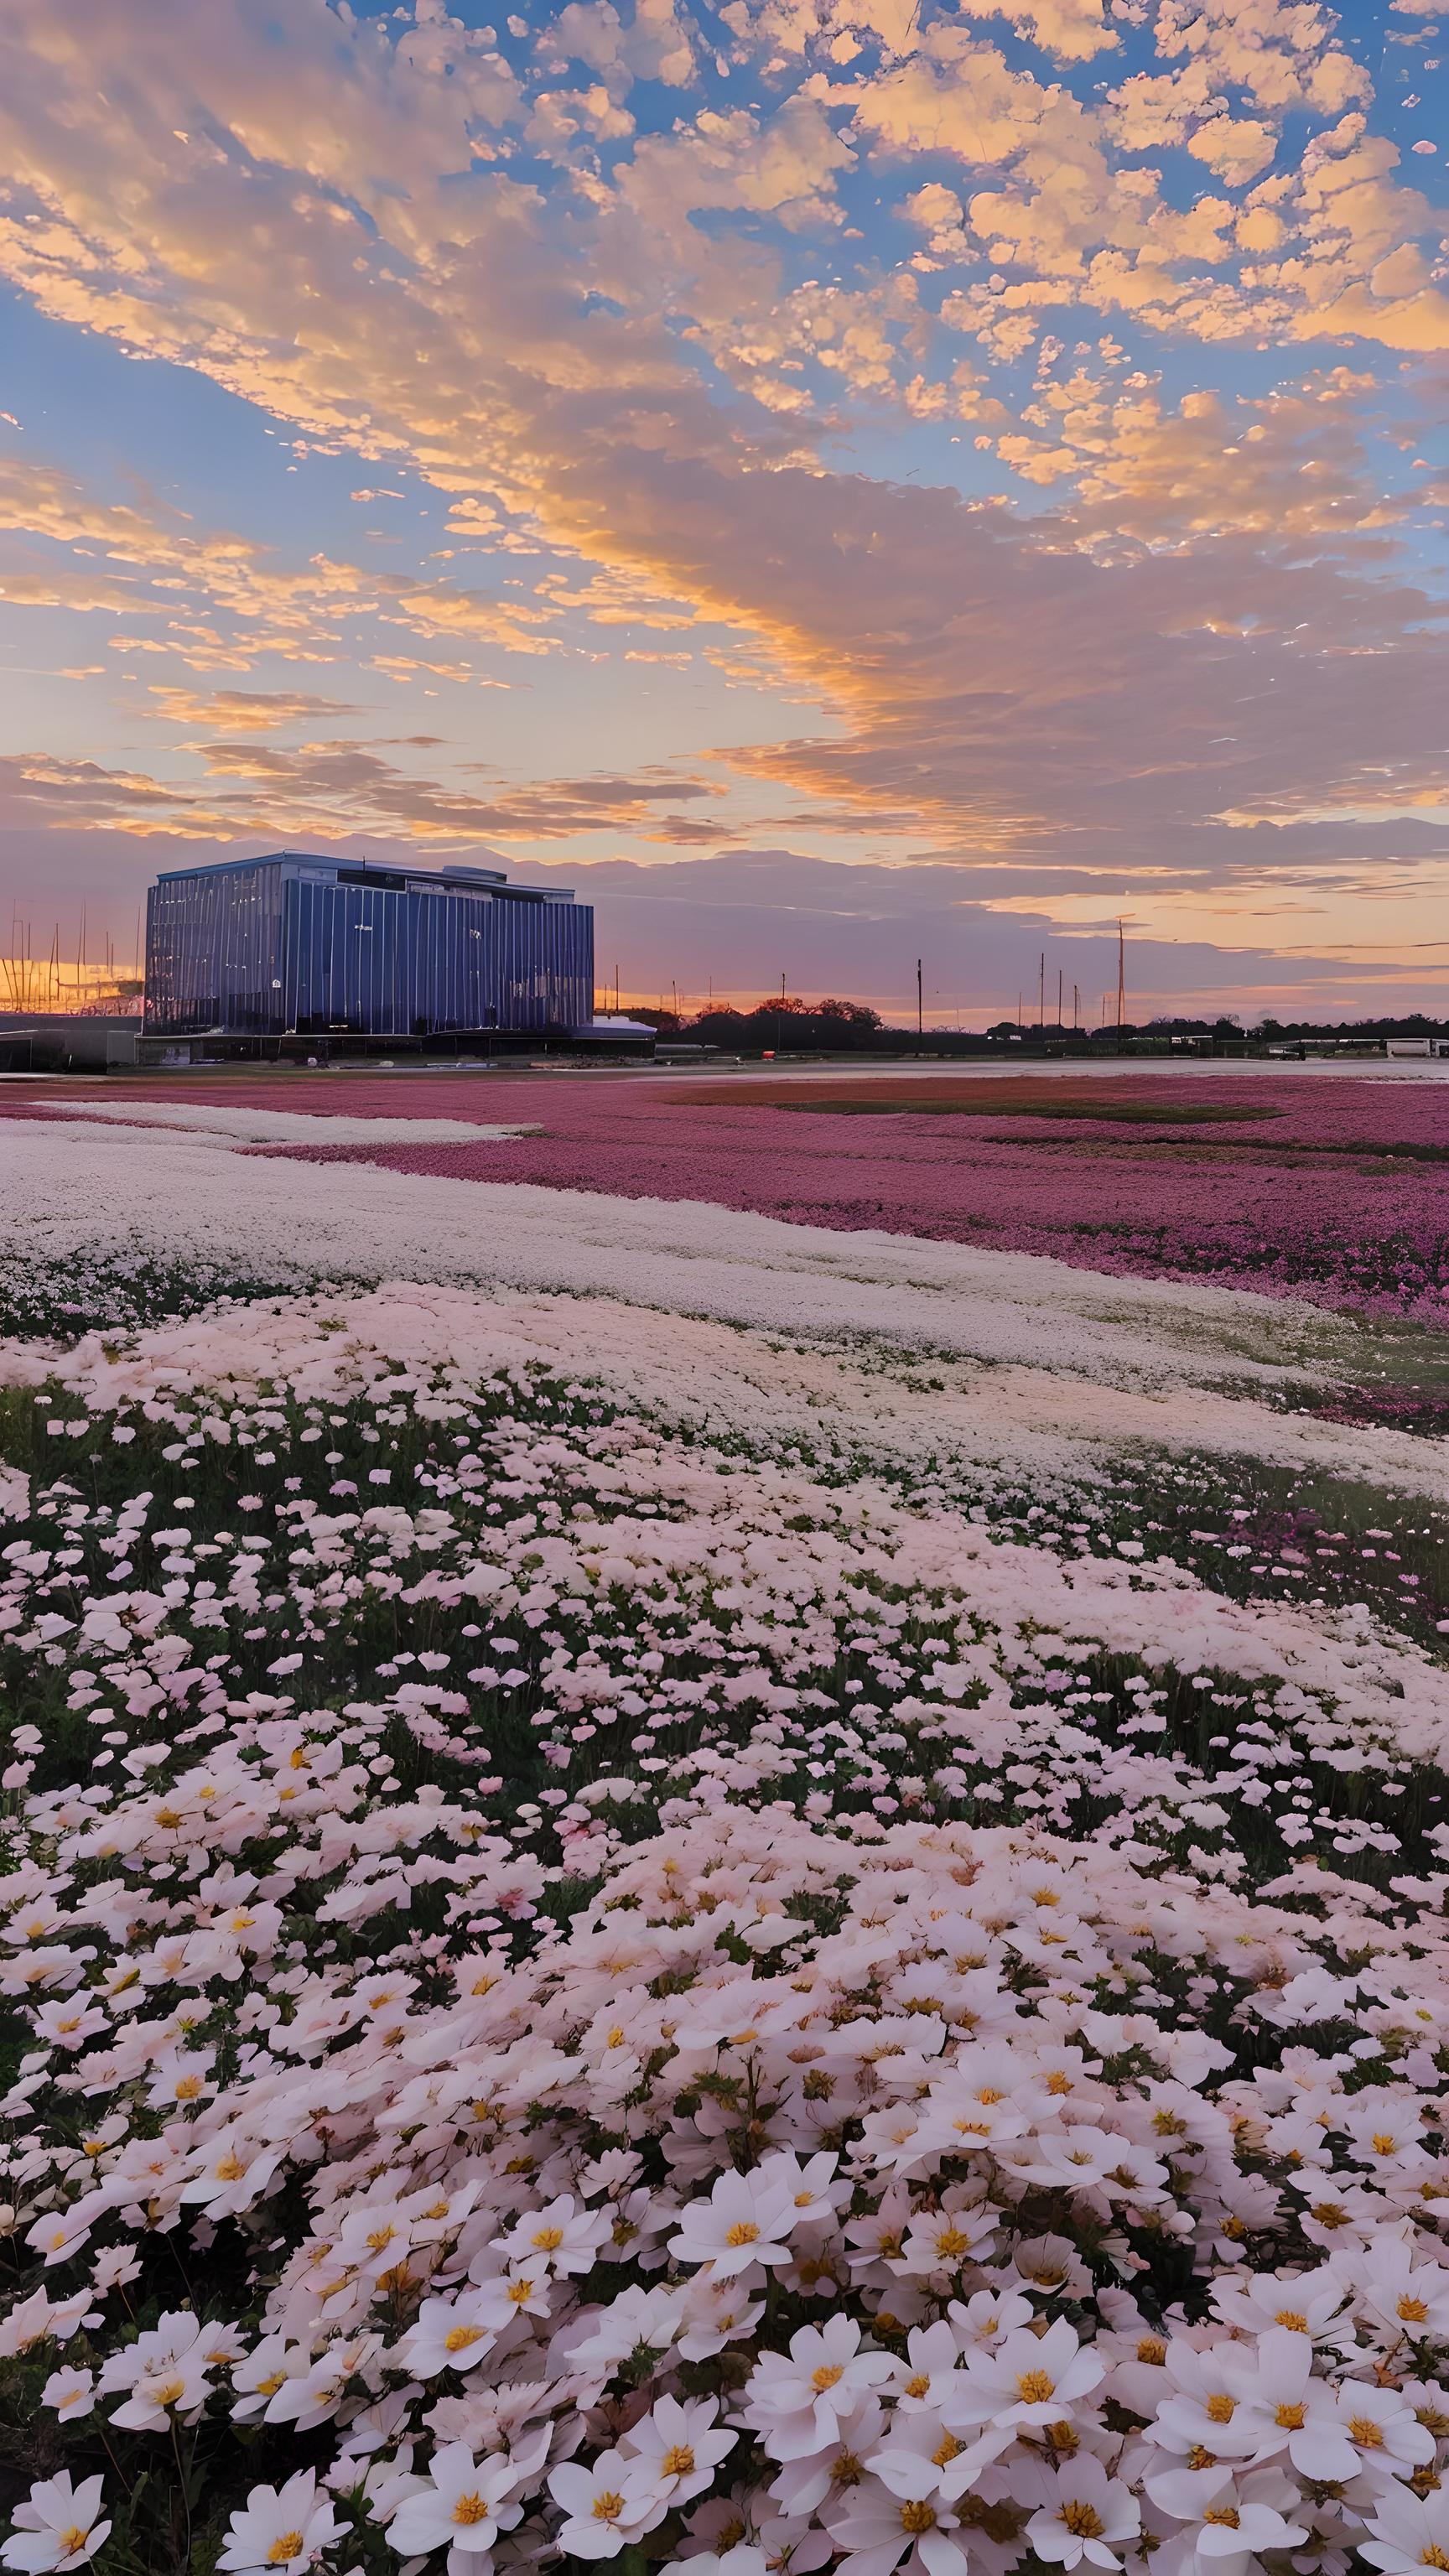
[[1327, 1183], [786, 1915]]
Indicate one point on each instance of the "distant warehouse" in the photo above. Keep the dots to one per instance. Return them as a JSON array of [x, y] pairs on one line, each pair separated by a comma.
[[292, 946]]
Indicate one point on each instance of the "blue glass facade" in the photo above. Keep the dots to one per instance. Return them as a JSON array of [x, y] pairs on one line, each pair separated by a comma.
[[294, 944]]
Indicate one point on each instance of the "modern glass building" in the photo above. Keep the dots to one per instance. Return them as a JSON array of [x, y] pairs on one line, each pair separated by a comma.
[[294, 945]]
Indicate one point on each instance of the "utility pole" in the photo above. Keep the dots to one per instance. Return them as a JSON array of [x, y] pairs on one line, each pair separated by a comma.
[[1074, 1006], [920, 1005], [1041, 993], [1059, 997], [1121, 978]]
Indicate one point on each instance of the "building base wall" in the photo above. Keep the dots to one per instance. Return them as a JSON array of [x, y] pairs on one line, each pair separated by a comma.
[[338, 1047]]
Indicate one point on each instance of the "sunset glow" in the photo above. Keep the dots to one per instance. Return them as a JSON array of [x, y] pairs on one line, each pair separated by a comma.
[[834, 480]]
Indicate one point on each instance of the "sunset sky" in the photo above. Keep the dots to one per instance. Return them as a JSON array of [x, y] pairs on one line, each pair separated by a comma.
[[834, 480]]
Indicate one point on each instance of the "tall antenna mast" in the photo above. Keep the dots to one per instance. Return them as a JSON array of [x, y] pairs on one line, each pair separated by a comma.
[[1121, 975]]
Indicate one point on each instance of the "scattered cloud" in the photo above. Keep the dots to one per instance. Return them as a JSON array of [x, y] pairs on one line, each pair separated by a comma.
[[671, 357], [242, 710]]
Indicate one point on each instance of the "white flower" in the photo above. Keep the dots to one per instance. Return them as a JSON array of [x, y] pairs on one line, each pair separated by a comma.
[[651, 2318], [1289, 2410], [1409, 2532], [1082, 2514], [1207, 2411], [715, 2313], [1027, 2379], [563, 2236], [462, 2509], [797, 2404], [1383, 2428], [1300, 2302], [881, 2527], [450, 2334], [1411, 2298], [678, 2447], [930, 2376], [165, 2370], [605, 2507], [803, 2484], [71, 2393], [1235, 2515], [812, 2194], [284, 2528], [56, 2527], [747, 2219]]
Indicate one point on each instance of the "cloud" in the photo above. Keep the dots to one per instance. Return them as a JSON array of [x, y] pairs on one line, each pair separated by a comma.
[[1235, 148], [540, 338], [655, 45], [242, 710], [1073, 30], [332, 787], [1288, 469], [160, 558]]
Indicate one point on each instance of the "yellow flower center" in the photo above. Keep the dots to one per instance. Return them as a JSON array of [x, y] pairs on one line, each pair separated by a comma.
[[829, 2375], [189, 2088], [1291, 2318], [1225, 2515], [608, 2506], [1220, 2409], [548, 2240], [917, 2517], [743, 2232], [1034, 2387], [1152, 2349], [462, 2338], [469, 2509], [952, 2244], [1411, 2311], [677, 2462], [1368, 2435], [1291, 2418], [1082, 2519], [288, 2544]]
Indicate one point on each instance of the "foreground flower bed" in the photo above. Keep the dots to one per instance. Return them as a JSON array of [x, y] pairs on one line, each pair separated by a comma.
[[575, 1994]]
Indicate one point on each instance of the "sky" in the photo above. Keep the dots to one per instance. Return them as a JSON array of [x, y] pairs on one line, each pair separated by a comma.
[[834, 481]]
